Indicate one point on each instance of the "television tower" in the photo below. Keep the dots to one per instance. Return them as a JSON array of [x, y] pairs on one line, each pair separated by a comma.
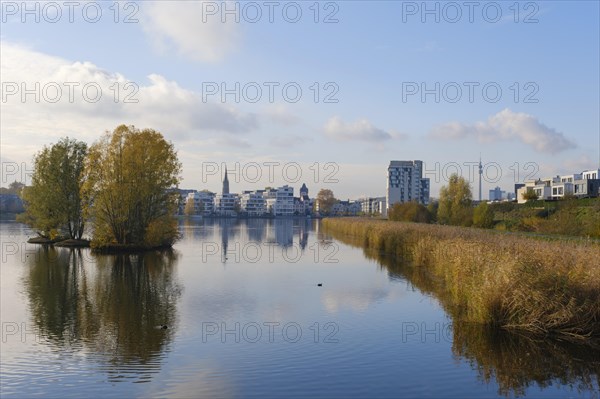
[[480, 173]]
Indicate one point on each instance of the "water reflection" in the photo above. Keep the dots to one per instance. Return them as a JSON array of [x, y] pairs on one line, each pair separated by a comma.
[[284, 232], [97, 316], [516, 362], [111, 306]]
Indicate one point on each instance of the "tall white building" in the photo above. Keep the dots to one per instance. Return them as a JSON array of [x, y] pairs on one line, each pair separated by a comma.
[[280, 201], [226, 204], [253, 203], [405, 183], [204, 202]]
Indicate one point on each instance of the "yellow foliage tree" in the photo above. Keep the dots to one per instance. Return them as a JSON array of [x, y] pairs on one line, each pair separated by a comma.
[[326, 200], [129, 174], [455, 202]]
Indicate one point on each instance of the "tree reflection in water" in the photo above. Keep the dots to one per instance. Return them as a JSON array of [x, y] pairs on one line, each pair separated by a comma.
[[111, 306], [516, 362]]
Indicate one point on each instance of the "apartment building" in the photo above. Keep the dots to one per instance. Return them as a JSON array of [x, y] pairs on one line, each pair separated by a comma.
[[204, 202], [252, 203], [405, 183], [280, 201], [581, 185], [227, 204], [373, 205]]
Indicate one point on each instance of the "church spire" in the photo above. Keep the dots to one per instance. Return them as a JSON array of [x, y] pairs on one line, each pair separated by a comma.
[[225, 182]]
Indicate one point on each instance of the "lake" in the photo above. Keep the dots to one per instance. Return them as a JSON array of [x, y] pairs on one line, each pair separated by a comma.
[[254, 308]]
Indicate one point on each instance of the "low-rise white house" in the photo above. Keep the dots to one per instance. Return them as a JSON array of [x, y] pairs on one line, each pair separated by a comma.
[[591, 174], [585, 184], [346, 208], [373, 205]]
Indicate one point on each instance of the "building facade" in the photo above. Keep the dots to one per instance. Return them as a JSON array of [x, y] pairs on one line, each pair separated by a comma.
[[280, 201], [252, 203], [497, 194], [405, 183], [373, 205], [204, 202], [227, 204], [580, 185]]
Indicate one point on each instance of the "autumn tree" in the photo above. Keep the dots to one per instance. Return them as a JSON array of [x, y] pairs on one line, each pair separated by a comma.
[[189, 209], [530, 195], [455, 202], [432, 208], [53, 204], [483, 216], [129, 174], [325, 200], [409, 212]]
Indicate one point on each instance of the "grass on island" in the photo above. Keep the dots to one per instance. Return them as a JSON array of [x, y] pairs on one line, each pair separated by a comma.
[[542, 286]]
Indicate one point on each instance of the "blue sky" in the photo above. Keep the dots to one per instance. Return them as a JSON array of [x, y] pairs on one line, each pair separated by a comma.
[[373, 53]]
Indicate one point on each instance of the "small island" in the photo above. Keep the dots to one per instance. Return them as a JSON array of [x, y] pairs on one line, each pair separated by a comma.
[[119, 191]]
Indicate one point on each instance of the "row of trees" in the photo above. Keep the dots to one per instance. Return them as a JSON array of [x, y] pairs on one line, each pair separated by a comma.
[[120, 185], [455, 207]]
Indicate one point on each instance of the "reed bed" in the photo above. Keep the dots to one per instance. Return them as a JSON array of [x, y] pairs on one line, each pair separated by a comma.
[[510, 281]]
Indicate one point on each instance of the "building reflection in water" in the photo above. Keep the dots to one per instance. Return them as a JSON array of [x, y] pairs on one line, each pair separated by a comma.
[[282, 232]]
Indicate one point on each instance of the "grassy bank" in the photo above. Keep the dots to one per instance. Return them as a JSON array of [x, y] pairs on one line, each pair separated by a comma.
[[567, 217], [545, 287]]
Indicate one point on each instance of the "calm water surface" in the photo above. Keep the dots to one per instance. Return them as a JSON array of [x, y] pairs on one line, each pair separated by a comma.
[[245, 317]]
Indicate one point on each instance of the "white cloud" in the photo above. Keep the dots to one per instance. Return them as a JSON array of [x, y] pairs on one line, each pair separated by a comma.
[[161, 104], [508, 125], [358, 298], [362, 129], [195, 33]]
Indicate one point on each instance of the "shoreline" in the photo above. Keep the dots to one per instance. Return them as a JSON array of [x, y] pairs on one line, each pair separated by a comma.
[[60, 242], [533, 285]]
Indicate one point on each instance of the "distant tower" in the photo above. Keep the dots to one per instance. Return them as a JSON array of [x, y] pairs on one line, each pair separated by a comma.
[[304, 190], [225, 182], [480, 173]]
